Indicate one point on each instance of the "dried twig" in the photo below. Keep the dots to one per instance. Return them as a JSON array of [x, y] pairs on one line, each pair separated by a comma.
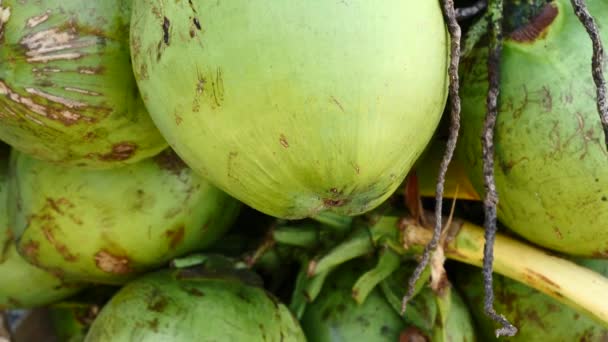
[[267, 244], [597, 61], [491, 195], [455, 34]]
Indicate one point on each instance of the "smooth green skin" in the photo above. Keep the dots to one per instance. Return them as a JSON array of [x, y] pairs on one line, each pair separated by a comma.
[[106, 226], [5, 234], [66, 323], [294, 107], [335, 316], [537, 316], [23, 285], [72, 318], [551, 164], [26, 286], [71, 321], [459, 323], [160, 307], [67, 92]]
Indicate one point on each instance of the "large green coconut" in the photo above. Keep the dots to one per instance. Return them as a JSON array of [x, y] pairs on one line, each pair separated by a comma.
[[294, 107], [551, 163], [108, 225], [67, 92], [537, 316], [195, 305], [21, 284]]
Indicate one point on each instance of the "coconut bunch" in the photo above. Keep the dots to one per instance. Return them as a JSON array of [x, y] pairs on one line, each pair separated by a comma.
[[90, 191], [249, 170]]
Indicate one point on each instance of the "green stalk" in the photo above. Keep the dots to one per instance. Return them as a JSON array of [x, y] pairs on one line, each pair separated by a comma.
[[388, 262], [576, 286], [358, 244], [334, 220], [306, 237]]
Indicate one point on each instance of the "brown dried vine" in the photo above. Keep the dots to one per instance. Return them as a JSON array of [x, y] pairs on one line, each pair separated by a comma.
[[455, 35], [495, 29], [491, 195]]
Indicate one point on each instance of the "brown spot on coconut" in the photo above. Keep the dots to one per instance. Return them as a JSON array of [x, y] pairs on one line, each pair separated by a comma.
[[120, 151], [176, 236], [110, 263]]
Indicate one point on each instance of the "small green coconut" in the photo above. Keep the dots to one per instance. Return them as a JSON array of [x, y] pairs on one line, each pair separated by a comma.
[[537, 316], [334, 316], [107, 226], [195, 304], [67, 92], [23, 285], [551, 163]]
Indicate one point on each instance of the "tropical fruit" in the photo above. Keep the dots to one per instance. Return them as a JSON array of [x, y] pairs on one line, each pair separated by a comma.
[[106, 226], [72, 318], [294, 107], [335, 316], [23, 285], [205, 303], [537, 316], [551, 162], [67, 92]]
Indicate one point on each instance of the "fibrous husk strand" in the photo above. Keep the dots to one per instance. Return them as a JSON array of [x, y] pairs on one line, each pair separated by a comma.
[[455, 34], [491, 195]]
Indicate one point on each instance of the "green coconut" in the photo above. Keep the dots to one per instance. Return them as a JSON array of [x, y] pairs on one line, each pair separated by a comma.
[[67, 92], [537, 316], [107, 226], [443, 316], [335, 316], [294, 107], [26, 286], [551, 164], [195, 304], [72, 318], [6, 236], [71, 321], [23, 285]]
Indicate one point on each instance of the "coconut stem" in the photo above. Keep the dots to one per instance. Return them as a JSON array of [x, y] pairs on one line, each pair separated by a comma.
[[305, 237], [597, 61], [388, 262], [491, 195], [576, 286], [358, 244], [264, 247], [464, 13], [449, 14]]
